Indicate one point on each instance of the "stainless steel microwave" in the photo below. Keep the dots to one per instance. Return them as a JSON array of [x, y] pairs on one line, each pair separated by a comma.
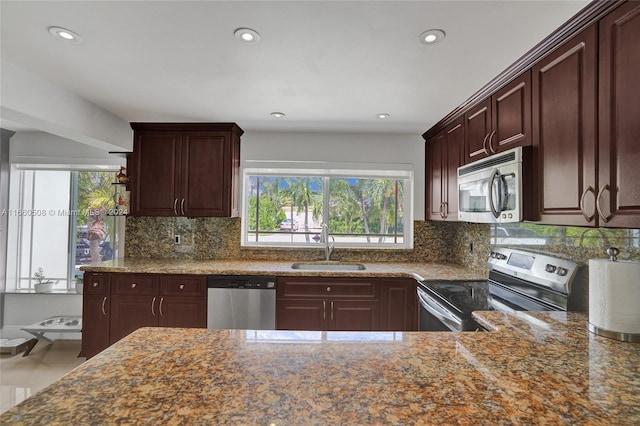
[[490, 190]]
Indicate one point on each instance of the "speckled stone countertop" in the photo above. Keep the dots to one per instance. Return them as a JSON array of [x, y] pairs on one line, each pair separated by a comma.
[[420, 271], [534, 368]]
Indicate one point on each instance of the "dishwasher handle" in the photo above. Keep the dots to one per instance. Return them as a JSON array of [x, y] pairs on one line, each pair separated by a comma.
[[249, 282]]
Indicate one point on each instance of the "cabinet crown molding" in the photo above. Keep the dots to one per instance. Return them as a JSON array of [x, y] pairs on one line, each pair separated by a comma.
[[587, 16], [222, 127]]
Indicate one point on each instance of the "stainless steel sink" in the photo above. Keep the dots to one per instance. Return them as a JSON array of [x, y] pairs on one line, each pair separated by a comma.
[[329, 266]]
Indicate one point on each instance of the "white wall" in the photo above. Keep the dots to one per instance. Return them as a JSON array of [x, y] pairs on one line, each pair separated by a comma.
[[44, 148], [341, 147], [31, 101], [4, 219]]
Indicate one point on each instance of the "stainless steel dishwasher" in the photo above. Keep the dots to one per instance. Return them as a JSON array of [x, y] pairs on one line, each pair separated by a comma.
[[241, 302]]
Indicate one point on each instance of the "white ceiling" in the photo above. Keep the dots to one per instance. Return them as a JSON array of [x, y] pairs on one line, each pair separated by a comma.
[[329, 65]]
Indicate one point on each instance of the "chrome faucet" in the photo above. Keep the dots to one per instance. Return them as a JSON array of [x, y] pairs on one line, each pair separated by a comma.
[[328, 246]]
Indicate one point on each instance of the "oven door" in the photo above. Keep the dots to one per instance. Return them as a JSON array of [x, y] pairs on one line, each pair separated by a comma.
[[434, 316]]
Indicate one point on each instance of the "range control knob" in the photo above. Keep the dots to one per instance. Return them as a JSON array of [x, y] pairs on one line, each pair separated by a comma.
[[501, 256], [550, 268], [562, 272]]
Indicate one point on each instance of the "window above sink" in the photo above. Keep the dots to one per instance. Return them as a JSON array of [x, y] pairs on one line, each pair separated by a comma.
[[366, 206]]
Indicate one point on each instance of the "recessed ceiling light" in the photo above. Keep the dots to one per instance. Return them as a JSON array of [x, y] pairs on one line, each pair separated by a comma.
[[383, 115], [247, 35], [277, 114], [431, 37], [65, 34]]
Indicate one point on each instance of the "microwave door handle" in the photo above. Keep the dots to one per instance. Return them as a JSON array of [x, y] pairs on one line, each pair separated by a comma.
[[492, 206], [504, 192]]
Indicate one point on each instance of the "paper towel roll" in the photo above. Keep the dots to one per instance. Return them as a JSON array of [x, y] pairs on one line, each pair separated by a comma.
[[614, 295]]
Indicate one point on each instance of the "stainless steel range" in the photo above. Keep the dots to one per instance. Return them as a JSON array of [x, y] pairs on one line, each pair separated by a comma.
[[518, 281]]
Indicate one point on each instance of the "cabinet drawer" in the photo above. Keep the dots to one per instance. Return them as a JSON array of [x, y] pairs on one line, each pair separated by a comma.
[[183, 285], [133, 284], [361, 288], [95, 283]]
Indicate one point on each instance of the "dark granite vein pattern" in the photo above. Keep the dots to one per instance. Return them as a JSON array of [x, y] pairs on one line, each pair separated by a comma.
[[535, 368]]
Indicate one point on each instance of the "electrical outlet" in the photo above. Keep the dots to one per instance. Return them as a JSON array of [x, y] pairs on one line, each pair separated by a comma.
[[472, 247], [176, 239]]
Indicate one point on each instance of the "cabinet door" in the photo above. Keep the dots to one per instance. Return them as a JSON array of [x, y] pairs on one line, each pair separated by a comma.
[[298, 314], [95, 323], [206, 179], [619, 134], [354, 315], [436, 176], [129, 313], [187, 312], [511, 114], [454, 148], [399, 305], [477, 127], [564, 132], [155, 168]]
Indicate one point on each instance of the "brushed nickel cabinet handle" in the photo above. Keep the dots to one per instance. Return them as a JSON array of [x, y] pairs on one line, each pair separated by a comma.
[[584, 212], [95, 285], [489, 142], [484, 144], [104, 301], [328, 288], [603, 188], [182, 207], [442, 210], [445, 209], [181, 287], [324, 309], [161, 300], [332, 309], [133, 285], [153, 311], [175, 207]]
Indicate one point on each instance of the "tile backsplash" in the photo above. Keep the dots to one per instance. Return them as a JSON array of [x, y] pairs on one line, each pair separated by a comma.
[[219, 238], [441, 242], [574, 243]]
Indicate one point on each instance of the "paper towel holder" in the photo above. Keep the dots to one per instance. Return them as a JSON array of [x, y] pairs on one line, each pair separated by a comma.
[[623, 337], [613, 252]]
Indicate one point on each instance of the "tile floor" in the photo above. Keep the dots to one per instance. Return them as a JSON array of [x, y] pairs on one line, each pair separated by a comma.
[[21, 377]]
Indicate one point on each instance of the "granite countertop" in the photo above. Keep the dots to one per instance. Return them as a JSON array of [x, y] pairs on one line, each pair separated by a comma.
[[534, 368], [419, 271]]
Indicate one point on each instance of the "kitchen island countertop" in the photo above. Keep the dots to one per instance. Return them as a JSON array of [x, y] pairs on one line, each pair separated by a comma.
[[533, 368], [419, 271]]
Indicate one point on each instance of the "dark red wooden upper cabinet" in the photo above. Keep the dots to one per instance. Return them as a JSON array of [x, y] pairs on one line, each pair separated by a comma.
[[619, 118], [185, 169], [564, 132]]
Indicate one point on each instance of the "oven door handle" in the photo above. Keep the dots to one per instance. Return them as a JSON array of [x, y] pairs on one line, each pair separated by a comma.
[[436, 309], [502, 305]]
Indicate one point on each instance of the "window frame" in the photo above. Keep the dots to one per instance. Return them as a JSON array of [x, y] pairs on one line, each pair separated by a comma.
[[327, 171], [17, 223]]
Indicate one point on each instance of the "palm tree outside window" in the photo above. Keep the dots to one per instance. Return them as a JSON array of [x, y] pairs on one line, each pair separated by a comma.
[[360, 210]]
